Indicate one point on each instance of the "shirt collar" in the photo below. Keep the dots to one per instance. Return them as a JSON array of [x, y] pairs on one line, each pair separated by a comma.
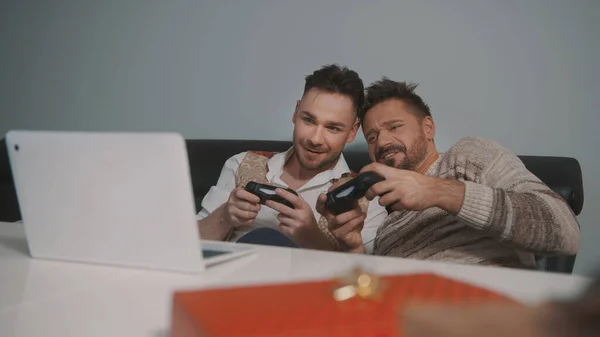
[[276, 163]]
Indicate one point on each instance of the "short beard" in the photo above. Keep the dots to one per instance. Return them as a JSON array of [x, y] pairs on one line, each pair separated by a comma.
[[330, 160], [415, 155], [383, 151]]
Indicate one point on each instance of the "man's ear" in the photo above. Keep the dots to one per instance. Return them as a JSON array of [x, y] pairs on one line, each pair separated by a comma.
[[428, 126], [295, 115], [353, 131]]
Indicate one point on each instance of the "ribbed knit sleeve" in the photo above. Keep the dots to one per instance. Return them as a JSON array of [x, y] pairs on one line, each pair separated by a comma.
[[510, 203], [477, 205]]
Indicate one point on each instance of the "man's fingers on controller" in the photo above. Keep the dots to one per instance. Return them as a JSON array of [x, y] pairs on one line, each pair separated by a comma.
[[285, 220], [291, 197], [245, 195], [322, 209], [389, 199], [379, 188], [341, 219], [243, 215], [353, 225], [334, 185], [246, 221], [246, 206], [322, 200], [352, 239], [236, 221], [355, 213], [367, 168], [381, 169], [279, 207], [370, 194], [354, 221]]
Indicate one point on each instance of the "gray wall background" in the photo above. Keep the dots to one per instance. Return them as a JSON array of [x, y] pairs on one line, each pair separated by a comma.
[[524, 73]]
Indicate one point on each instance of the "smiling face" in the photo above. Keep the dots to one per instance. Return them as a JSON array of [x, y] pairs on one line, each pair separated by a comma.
[[323, 123], [396, 136]]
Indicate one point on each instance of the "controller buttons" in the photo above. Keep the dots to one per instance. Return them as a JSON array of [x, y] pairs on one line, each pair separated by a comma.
[[267, 191], [345, 192]]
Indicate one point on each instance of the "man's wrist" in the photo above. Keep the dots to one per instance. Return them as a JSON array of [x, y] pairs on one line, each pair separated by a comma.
[[327, 241], [447, 194], [356, 249], [223, 218], [213, 227], [325, 238]]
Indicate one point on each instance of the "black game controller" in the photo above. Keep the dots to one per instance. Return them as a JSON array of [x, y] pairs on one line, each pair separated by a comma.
[[267, 192], [341, 199]]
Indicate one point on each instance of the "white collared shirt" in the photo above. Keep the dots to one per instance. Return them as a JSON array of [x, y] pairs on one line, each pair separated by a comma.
[[267, 217]]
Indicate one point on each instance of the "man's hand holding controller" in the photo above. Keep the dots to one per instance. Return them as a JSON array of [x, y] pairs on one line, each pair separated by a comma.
[[345, 227], [241, 208], [341, 208], [344, 221], [296, 218]]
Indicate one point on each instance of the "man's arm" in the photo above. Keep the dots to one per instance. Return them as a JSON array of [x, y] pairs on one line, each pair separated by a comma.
[[211, 222], [447, 194], [506, 200], [214, 226]]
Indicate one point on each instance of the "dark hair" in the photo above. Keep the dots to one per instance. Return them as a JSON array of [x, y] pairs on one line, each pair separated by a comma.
[[338, 80], [386, 89]]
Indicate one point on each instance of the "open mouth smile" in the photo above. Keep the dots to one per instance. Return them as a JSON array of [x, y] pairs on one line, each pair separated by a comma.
[[389, 155], [314, 152]]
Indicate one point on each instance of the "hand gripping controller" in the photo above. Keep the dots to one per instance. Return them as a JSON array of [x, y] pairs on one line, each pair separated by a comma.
[[267, 192], [341, 199]]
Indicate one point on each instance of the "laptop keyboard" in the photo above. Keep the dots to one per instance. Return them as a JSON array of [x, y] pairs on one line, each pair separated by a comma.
[[206, 253]]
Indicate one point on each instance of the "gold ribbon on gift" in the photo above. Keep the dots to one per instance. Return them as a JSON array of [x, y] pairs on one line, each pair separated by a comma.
[[357, 283]]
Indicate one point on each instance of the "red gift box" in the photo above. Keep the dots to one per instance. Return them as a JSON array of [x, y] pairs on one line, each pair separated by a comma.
[[310, 309]]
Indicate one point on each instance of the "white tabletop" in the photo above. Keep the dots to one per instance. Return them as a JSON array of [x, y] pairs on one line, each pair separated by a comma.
[[50, 298]]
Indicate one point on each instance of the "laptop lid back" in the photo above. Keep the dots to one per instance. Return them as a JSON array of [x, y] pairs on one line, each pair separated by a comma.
[[110, 198]]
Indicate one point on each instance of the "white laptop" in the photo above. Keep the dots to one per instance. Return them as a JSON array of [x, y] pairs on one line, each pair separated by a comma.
[[111, 198]]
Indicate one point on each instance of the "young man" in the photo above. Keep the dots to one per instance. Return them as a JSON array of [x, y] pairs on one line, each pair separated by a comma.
[[475, 204], [325, 119]]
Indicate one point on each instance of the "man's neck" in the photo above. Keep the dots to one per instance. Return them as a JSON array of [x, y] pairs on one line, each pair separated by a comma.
[[431, 157], [296, 176]]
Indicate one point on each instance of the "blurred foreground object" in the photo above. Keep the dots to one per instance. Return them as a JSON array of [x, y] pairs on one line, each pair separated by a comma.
[[577, 318]]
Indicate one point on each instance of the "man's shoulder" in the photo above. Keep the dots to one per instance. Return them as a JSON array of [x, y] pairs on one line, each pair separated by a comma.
[[475, 145], [236, 158], [239, 157], [266, 154], [249, 159], [479, 152]]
